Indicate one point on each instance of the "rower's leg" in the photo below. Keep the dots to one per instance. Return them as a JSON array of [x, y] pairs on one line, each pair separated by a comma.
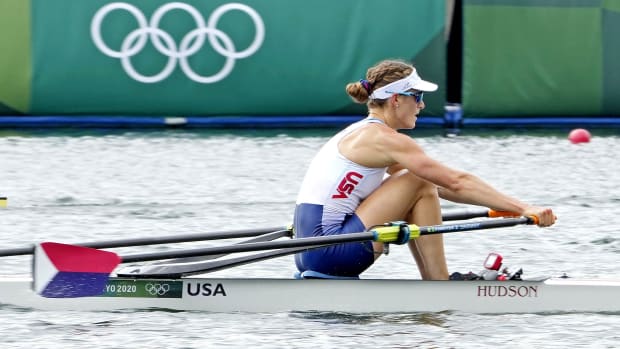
[[404, 196], [428, 250]]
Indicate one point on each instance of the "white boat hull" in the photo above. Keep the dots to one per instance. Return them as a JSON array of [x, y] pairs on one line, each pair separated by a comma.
[[354, 296]]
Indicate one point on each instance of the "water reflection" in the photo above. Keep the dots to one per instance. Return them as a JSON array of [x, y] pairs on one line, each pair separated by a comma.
[[432, 319], [604, 241]]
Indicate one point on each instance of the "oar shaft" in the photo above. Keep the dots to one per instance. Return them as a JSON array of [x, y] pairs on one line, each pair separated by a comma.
[[217, 235], [17, 251], [380, 234], [265, 237], [256, 246], [496, 223]]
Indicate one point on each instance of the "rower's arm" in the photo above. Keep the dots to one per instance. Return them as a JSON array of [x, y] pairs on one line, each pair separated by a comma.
[[454, 185]]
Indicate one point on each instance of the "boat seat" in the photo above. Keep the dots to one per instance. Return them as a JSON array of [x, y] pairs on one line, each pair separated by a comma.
[[311, 274]]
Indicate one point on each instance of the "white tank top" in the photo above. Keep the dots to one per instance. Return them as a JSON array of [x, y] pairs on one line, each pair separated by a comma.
[[337, 183]]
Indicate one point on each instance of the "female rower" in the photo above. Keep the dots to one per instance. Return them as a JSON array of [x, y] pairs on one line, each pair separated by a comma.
[[369, 174]]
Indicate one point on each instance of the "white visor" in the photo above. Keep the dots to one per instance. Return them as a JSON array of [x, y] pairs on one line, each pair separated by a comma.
[[413, 81]]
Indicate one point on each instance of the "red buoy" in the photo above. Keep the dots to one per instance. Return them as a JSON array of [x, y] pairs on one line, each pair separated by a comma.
[[579, 135]]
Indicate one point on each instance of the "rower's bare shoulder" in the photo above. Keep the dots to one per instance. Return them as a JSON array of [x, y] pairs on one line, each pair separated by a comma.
[[398, 141], [369, 134]]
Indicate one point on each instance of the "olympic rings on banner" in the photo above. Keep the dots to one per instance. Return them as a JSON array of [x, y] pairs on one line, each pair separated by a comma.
[[163, 42]]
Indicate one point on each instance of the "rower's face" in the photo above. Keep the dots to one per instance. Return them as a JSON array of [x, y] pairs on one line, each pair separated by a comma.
[[407, 108]]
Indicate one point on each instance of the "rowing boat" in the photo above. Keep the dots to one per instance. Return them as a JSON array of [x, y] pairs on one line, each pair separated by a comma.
[[83, 277], [350, 296]]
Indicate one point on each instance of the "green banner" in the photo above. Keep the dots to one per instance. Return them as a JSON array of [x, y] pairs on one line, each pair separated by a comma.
[[212, 57], [14, 56], [541, 57]]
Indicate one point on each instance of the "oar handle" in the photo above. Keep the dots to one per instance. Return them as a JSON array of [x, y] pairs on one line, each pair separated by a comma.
[[458, 215], [500, 214]]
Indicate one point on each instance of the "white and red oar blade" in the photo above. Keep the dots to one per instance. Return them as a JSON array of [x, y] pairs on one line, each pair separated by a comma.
[[64, 271]]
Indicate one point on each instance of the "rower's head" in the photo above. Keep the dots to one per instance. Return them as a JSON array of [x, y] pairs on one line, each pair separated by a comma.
[[392, 88], [385, 79]]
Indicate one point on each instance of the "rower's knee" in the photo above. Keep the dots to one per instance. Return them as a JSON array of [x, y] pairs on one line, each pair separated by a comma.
[[429, 192], [424, 202], [419, 186]]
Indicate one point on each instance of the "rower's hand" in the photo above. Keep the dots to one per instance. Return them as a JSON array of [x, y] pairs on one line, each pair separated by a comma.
[[545, 215]]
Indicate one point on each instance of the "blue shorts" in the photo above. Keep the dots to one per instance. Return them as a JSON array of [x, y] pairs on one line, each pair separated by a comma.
[[349, 259]]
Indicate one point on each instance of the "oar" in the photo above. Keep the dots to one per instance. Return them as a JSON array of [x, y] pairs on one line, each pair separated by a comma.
[[380, 234], [265, 237], [218, 235], [62, 270], [158, 240], [176, 270]]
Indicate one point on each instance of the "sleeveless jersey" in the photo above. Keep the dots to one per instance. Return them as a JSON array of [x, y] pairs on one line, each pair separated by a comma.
[[337, 183]]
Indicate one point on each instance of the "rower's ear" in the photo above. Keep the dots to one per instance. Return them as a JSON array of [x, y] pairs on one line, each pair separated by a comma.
[[394, 100]]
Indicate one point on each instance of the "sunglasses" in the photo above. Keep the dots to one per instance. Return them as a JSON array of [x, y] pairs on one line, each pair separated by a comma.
[[419, 96]]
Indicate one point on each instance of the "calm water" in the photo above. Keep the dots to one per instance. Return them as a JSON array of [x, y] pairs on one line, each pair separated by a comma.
[[77, 186]]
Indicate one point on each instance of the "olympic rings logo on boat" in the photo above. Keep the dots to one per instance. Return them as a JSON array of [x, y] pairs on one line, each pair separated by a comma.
[[193, 41], [157, 289]]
